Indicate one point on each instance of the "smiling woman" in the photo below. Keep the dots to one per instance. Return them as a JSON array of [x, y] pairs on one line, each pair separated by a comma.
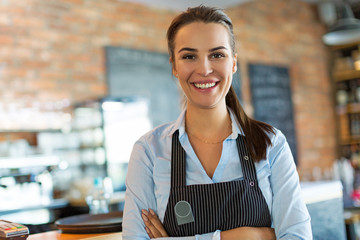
[[204, 64], [214, 173]]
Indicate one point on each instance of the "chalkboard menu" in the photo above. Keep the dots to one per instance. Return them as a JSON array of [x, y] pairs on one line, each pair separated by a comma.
[[145, 74], [271, 98]]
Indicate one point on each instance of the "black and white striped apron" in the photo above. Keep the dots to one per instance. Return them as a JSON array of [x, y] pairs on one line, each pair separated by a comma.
[[219, 206]]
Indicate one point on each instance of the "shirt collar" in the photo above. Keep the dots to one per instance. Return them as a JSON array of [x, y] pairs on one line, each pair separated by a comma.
[[180, 125], [236, 129]]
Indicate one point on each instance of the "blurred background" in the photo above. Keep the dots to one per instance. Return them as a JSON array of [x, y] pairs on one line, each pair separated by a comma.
[[82, 80]]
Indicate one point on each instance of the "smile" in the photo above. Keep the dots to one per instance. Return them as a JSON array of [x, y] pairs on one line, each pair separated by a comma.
[[204, 85]]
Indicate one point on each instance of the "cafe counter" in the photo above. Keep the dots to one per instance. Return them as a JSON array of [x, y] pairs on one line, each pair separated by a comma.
[[58, 235]]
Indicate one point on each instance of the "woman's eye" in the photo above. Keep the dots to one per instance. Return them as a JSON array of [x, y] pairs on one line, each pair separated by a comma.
[[188, 57], [217, 55]]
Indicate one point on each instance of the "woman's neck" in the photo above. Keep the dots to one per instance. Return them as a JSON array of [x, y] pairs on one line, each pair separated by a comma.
[[208, 123]]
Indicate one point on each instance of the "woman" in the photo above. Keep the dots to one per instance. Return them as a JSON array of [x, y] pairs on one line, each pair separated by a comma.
[[214, 173]]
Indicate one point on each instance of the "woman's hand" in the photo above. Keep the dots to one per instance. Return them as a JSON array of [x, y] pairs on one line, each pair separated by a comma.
[[153, 226], [249, 233], [155, 229]]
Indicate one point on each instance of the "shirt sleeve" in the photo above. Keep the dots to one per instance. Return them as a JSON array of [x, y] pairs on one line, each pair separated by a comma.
[[139, 192], [140, 195], [291, 218]]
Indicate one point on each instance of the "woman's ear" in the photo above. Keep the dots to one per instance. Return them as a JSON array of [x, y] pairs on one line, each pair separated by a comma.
[[234, 67], [174, 72]]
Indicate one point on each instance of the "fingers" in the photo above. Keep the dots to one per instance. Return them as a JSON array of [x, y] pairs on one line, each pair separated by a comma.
[[153, 226], [157, 223], [149, 227], [149, 232]]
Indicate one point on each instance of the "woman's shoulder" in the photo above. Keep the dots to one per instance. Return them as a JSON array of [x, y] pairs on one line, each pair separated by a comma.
[[278, 141], [278, 145], [276, 136]]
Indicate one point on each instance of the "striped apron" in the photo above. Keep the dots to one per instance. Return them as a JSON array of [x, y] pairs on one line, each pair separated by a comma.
[[205, 208]]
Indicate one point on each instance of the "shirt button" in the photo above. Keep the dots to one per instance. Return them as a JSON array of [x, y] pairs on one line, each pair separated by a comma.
[[252, 183], [246, 158]]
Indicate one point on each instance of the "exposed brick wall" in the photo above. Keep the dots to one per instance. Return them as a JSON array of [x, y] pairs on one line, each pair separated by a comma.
[[288, 33], [53, 50]]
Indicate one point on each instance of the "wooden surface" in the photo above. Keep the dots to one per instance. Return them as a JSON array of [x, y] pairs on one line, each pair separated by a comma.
[[57, 235]]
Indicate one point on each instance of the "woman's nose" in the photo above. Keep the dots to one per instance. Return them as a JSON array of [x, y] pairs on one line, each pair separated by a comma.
[[204, 67]]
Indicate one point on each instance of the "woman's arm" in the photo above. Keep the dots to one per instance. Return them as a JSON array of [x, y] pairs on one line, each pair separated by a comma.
[[249, 233], [140, 194], [291, 218], [139, 191], [155, 229]]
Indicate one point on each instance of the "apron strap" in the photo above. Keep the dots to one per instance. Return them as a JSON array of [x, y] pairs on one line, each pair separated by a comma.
[[178, 162], [247, 164]]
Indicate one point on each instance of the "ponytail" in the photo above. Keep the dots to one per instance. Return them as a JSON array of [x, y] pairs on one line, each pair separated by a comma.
[[256, 132]]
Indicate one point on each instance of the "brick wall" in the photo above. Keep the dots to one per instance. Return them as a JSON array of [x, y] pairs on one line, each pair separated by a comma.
[[53, 50], [288, 33]]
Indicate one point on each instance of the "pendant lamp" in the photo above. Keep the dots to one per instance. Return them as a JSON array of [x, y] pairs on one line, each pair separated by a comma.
[[346, 30]]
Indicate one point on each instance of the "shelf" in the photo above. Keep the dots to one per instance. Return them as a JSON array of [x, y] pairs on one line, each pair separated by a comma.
[[29, 161], [85, 147], [88, 128], [52, 204], [344, 46], [346, 75], [351, 140], [116, 198], [30, 130], [349, 108], [80, 148]]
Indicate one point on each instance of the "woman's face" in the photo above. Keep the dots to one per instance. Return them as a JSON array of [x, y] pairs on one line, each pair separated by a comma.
[[203, 63]]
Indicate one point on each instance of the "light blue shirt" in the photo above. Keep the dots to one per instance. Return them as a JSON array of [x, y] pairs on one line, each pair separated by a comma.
[[148, 180]]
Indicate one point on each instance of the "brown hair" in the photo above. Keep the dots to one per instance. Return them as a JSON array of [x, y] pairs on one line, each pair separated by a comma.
[[256, 132]]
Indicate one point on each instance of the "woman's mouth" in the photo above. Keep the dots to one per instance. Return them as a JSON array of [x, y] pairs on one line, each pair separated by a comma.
[[204, 85]]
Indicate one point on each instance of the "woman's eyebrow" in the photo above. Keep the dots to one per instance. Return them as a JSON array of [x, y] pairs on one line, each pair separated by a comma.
[[217, 48], [187, 49], [195, 50]]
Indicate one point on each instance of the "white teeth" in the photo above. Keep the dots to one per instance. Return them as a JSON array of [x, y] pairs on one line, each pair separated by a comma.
[[204, 85]]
